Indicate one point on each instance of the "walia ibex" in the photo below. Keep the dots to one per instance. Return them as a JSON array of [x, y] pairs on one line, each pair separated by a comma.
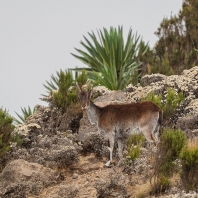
[[118, 121]]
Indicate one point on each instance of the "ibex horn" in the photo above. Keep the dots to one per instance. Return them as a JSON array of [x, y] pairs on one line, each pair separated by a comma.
[[79, 89], [88, 84]]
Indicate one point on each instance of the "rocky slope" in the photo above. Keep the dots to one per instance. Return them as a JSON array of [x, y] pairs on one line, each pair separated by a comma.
[[53, 163]]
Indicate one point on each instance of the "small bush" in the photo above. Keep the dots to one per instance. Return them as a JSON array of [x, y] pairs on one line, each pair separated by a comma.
[[169, 104], [157, 99], [136, 139], [6, 128], [64, 97], [172, 101], [82, 78], [133, 146], [66, 94], [172, 141], [168, 151], [189, 161]]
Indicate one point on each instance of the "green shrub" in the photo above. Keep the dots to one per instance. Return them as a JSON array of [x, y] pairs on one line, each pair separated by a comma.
[[171, 101], [66, 94], [189, 161], [82, 78], [168, 151], [157, 99], [172, 141], [133, 146], [136, 139], [53, 85], [63, 97], [6, 128]]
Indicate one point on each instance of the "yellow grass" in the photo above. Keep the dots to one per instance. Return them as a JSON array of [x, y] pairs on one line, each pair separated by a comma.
[[193, 143], [143, 190]]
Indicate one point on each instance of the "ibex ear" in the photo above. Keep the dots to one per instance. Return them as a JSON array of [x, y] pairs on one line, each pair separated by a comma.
[[78, 87]]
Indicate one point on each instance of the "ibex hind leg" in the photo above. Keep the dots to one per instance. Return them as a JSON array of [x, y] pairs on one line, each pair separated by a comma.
[[157, 132], [148, 133], [120, 147], [151, 131]]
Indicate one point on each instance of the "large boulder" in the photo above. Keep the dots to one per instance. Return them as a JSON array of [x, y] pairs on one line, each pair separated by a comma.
[[20, 178], [57, 151]]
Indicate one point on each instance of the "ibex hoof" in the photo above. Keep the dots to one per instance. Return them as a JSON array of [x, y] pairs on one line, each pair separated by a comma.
[[108, 164]]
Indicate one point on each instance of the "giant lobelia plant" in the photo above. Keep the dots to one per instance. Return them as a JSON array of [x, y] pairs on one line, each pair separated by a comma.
[[25, 113], [111, 62]]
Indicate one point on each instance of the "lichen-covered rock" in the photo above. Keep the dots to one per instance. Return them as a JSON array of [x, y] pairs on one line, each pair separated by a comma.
[[148, 79], [187, 118], [177, 193], [20, 178], [46, 138], [51, 120], [58, 150], [114, 186], [47, 118], [191, 73], [23, 130], [95, 142], [100, 91], [63, 156], [112, 98]]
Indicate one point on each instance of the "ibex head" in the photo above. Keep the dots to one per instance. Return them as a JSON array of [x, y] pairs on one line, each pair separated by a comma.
[[84, 95]]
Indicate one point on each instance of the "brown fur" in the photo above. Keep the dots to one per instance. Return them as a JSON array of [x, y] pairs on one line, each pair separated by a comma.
[[130, 111]]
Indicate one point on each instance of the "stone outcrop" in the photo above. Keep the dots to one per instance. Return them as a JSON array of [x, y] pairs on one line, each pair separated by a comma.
[[52, 120], [57, 151], [20, 178]]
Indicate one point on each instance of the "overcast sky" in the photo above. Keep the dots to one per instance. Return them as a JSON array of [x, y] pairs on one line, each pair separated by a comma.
[[37, 37]]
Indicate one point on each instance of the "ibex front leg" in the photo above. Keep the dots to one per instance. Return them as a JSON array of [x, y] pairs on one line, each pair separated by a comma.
[[111, 146]]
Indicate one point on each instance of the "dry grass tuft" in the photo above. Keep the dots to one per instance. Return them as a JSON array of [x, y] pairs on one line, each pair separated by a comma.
[[140, 191], [193, 143]]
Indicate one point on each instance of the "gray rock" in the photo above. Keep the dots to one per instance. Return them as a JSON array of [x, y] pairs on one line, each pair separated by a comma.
[[148, 79], [20, 178]]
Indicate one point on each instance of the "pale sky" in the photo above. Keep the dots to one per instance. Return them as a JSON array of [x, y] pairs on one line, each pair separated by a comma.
[[37, 37]]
